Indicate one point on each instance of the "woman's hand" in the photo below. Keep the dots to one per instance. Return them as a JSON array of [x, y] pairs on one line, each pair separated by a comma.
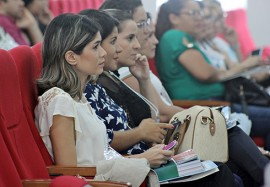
[[153, 132], [27, 20], [157, 156], [141, 68]]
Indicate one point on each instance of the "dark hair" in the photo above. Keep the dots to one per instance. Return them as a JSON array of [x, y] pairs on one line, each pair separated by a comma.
[[163, 22], [127, 5], [120, 15], [65, 32], [106, 21]]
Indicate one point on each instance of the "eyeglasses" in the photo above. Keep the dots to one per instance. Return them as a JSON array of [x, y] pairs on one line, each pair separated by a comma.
[[144, 24], [193, 13], [221, 16]]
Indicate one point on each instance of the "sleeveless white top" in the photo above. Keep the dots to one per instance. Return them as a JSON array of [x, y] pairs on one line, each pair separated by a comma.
[[91, 137]]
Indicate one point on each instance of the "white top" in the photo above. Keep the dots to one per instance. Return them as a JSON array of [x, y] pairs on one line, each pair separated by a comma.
[[222, 45], [124, 73], [6, 41], [91, 137], [217, 59]]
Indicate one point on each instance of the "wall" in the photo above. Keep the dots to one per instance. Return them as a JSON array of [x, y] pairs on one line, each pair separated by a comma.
[[150, 6], [258, 14]]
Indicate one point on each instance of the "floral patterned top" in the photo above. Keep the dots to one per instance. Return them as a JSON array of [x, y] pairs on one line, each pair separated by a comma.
[[113, 116]]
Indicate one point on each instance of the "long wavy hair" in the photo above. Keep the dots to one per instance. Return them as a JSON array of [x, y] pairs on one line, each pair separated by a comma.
[[163, 22], [65, 32]]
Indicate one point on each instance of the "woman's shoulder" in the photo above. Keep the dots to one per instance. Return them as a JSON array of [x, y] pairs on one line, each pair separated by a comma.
[[53, 93], [172, 33]]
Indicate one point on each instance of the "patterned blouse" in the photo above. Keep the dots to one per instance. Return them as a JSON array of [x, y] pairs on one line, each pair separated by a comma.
[[113, 116]]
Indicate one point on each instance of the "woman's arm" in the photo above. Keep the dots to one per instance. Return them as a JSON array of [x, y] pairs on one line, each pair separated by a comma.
[[141, 71], [148, 131], [195, 63], [62, 135]]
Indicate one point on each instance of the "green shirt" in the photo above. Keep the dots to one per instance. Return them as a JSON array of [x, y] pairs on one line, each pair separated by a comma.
[[179, 83]]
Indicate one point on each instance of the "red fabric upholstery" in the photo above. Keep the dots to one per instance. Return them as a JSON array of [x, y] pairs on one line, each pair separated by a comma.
[[27, 67], [8, 173], [74, 6], [55, 7], [237, 19], [15, 130], [152, 66]]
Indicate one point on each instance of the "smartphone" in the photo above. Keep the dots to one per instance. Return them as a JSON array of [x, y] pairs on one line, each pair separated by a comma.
[[170, 145], [256, 52]]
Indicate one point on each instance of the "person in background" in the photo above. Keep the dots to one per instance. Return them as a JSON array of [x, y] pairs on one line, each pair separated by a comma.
[[114, 115], [19, 23], [131, 141], [229, 44], [187, 73], [140, 17], [40, 10], [6, 41]]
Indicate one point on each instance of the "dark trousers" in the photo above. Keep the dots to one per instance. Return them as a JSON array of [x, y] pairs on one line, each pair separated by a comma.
[[245, 159], [259, 116]]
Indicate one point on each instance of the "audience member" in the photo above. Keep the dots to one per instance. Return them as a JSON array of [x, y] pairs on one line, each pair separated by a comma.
[[187, 73], [229, 34], [62, 111], [6, 41], [18, 22], [113, 115], [107, 108], [40, 10]]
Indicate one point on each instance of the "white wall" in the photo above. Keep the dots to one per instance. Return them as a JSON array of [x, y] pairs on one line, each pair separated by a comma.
[[258, 15], [150, 6]]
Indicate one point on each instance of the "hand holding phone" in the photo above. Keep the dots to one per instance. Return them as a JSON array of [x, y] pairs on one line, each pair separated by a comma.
[[170, 145]]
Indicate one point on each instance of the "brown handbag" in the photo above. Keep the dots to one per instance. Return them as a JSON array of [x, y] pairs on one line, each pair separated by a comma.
[[202, 129]]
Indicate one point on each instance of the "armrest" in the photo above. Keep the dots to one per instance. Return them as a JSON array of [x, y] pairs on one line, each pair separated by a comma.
[[85, 171], [46, 183], [190, 103]]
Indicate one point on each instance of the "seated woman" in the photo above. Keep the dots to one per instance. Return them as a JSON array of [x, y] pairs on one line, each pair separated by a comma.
[[127, 140], [209, 42], [187, 73], [114, 116], [68, 125], [62, 111]]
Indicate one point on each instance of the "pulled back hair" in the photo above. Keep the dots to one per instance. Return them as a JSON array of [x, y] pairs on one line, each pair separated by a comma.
[[119, 15], [65, 32], [163, 22], [106, 22], [127, 5]]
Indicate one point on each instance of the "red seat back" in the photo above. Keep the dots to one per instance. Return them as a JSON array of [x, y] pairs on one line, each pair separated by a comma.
[[15, 129], [27, 68]]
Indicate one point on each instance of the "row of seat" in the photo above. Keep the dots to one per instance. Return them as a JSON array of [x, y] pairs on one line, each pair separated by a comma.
[[74, 6], [24, 156]]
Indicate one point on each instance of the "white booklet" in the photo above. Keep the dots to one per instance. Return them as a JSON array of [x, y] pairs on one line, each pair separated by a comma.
[[249, 72]]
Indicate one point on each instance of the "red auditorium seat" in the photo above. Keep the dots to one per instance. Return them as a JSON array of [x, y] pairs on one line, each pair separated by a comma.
[[17, 133], [25, 61], [55, 7]]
